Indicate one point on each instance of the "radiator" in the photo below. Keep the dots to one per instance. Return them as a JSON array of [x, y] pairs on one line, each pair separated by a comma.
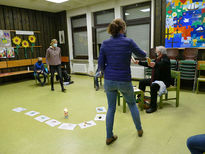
[[80, 68], [137, 72]]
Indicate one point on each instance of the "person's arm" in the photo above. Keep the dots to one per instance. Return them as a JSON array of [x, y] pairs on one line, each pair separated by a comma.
[[163, 64], [136, 50], [139, 62], [35, 68], [101, 60], [60, 54], [42, 67], [47, 59]]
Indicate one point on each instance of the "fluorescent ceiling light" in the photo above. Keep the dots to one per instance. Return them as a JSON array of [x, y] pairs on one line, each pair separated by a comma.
[[57, 1], [127, 14], [145, 10]]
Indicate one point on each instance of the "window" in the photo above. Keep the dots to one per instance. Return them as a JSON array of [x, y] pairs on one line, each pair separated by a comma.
[[101, 21], [79, 34], [137, 18]]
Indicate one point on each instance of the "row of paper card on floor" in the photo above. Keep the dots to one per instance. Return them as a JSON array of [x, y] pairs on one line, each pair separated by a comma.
[[66, 126]]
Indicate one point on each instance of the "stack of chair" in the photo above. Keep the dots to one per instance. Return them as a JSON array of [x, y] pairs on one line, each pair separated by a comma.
[[187, 69], [173, 64]]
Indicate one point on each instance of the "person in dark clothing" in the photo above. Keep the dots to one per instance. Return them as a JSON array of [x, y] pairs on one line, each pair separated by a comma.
[[161, 71], [114, 62], [98, 75], [53, 60], [40, 70], [196, 144]]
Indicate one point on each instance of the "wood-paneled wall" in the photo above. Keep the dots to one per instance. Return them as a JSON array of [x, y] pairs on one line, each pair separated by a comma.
[[12, 18]]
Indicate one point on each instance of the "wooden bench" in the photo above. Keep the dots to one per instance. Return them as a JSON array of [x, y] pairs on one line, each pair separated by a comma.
[[15, 64], [21, 63]]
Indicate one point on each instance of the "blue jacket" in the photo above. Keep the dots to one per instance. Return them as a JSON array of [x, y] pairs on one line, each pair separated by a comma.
[[115, 56], [39, 67]]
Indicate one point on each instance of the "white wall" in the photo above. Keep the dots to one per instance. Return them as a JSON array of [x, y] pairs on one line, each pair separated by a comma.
[[117, 5]]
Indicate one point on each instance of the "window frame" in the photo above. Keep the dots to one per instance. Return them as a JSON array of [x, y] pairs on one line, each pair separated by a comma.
[[94, 29], [78, 29], [139, 21]]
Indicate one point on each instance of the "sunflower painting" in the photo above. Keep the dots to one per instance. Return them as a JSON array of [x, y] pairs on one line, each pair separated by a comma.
[[17, 41], [25, 44], [32, 39]]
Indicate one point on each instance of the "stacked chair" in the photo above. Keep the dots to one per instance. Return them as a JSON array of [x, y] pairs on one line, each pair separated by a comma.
[[187, 67]]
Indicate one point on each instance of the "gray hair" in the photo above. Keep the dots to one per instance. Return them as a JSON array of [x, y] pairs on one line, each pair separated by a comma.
[[39, 58], [162, 49]]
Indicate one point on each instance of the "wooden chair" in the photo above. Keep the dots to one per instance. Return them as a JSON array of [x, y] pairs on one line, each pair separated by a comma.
[[176, 87], [136, 92], [201, 78]]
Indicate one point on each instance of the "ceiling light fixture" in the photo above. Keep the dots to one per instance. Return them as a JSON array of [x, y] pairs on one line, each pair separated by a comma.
[[57, 1], [127, 14]]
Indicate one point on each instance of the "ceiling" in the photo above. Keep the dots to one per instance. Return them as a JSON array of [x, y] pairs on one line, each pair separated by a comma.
[[44, 5]]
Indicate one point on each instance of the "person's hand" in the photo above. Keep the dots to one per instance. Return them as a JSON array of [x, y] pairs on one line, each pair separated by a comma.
[[145, 52], [38, 71], [134, 61], [152, 64], [48, 68]]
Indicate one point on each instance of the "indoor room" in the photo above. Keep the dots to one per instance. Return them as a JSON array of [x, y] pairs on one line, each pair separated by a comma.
[[124, 77]]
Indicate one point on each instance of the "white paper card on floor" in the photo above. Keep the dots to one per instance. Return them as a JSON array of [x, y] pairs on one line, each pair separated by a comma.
[[87, 124], [52, 122], [19, 109], [67, 126], [101, 109], [32, 113], [100, 117], [42, 118]]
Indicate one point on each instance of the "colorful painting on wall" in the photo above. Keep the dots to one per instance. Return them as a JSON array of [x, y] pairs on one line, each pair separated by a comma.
[[2, 52], [5, 38], [185, 24], [10, 52]]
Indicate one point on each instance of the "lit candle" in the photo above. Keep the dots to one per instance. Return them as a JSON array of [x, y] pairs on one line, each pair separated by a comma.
[[66, 113]]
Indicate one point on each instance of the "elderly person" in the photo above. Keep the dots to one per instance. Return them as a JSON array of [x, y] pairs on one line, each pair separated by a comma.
[[160, 72], [53, 60], [40, 70], [114, 61]]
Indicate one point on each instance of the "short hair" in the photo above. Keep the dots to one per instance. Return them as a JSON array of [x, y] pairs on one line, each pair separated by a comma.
[[52, 41], [116, 26], [39, 58], [162, 49]]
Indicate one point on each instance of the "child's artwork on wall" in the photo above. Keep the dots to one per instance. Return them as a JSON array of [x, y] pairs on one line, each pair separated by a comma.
[[2, 52], [185, 23], [5, 38], [10, 52]]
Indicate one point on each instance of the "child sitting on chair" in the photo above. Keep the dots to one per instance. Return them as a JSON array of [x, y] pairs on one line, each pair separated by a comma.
[[39, 69]]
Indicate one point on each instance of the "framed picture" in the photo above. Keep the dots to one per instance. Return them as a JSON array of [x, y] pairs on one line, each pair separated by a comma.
[[61, 37]]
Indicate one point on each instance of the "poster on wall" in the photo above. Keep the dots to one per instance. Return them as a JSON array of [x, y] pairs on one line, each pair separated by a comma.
[[185, 24], [2, 52], [5, 38], [61, 37], [10, 52]]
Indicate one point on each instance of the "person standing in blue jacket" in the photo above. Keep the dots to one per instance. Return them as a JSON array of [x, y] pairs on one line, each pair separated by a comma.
[[114, 62]]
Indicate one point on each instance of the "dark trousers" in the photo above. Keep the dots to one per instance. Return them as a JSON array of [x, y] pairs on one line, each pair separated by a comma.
[[196, 144], [44, 78], [154, 88], [53, 69]]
